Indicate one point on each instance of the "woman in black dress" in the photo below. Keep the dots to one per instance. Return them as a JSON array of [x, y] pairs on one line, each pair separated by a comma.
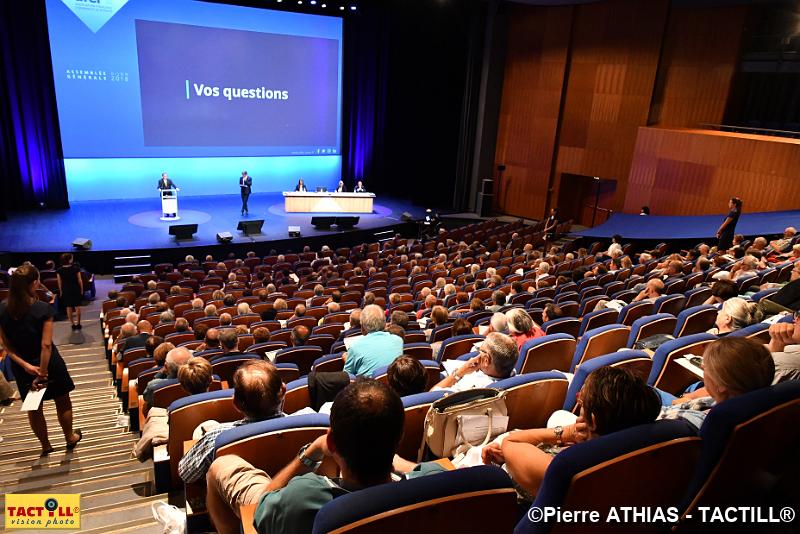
[[26, 329], [728, 227], [550, 227], [70, 287], [301, 186]]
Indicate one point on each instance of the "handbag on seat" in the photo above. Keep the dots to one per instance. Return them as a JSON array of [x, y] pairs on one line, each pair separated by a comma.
[[460, 420]]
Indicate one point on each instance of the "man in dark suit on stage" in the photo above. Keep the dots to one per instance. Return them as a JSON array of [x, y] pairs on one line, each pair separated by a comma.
[[245, 186], [165, 182]]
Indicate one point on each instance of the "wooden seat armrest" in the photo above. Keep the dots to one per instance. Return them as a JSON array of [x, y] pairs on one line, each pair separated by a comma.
[[133, 394], [247, 512], [188, 444], [446, 463]]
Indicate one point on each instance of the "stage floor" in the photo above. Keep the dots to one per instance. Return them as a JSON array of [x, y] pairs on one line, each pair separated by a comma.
[[663, 228], [135, 224]]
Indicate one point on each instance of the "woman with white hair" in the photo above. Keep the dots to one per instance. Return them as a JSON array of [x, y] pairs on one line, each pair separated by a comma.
[[735, 313], [243, 308], [521, 326]]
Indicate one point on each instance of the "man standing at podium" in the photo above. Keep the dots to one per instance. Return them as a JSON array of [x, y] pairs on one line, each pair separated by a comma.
[[245, 185], [165, 182]]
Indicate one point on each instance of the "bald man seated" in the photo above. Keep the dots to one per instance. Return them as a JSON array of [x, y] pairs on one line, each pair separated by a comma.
[[258, 394]]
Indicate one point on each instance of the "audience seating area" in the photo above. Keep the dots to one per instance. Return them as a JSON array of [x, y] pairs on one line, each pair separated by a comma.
[[665, 463]]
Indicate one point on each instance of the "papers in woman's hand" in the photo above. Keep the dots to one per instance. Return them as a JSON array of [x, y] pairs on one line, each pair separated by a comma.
[[33, 400]]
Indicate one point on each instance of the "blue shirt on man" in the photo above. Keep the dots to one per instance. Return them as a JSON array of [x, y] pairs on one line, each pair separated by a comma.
[[372, 351]]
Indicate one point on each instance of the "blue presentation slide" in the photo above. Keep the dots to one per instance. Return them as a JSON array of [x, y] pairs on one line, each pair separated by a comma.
[[199, 90]]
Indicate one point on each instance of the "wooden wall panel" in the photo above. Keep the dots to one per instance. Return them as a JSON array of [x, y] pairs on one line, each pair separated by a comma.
[[701, 48], [614, 60], [535, 66], [695, 172]]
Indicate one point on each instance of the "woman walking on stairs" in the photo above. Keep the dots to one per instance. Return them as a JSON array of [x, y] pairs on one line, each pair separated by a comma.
[[26, 329]]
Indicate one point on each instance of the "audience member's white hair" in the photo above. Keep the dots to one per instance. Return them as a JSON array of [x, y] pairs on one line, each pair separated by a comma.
[[518, 321], [373, 319], [243, 308], [499, 322]]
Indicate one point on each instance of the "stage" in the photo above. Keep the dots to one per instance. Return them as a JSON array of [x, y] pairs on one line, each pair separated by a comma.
[[134, 226], [698, 227]]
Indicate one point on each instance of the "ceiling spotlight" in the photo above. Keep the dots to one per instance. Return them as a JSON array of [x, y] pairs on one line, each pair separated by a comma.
[[324, 5], [299, 2], [313, 2], [352, 8], [341, 8]]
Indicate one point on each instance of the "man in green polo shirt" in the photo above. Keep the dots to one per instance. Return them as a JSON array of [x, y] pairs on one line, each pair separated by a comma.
[[366, 426], [376, 348]]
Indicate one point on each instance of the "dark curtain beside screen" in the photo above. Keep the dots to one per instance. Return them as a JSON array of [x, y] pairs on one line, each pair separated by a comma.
[[30, 146]]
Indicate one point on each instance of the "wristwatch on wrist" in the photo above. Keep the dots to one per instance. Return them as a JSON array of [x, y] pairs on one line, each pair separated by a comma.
[[305, 460], [455, 375], [559, 430]]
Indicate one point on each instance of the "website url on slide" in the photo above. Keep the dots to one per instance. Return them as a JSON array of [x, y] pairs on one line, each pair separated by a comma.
[[632, 514]]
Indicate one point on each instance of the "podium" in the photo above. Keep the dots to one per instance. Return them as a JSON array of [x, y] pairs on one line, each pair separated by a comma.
[[169, 205]]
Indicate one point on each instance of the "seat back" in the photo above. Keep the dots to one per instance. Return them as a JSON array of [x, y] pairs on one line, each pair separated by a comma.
[[695, 320], [323, 341], [302, 356], [282, 437], [728, 472], [650, 325], [697, 296], [187, 413], [532, 398], [671, 304], [569, 308], [328, 363], [758, 331], [600, 341], [633, 311], [455, 346], [416, 408], [297, 395], [452, 501], [562, 325], [642, 466], [550, 352], [441, 332], [669, 376], [596, 319], [268, 346], [226, 366], [170, 390], [287, 371], [418, 351]]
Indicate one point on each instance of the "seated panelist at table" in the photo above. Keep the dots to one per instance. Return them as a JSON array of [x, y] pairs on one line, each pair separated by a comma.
[[301, 186], [166, 183], [341, 188], [359, 187]]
